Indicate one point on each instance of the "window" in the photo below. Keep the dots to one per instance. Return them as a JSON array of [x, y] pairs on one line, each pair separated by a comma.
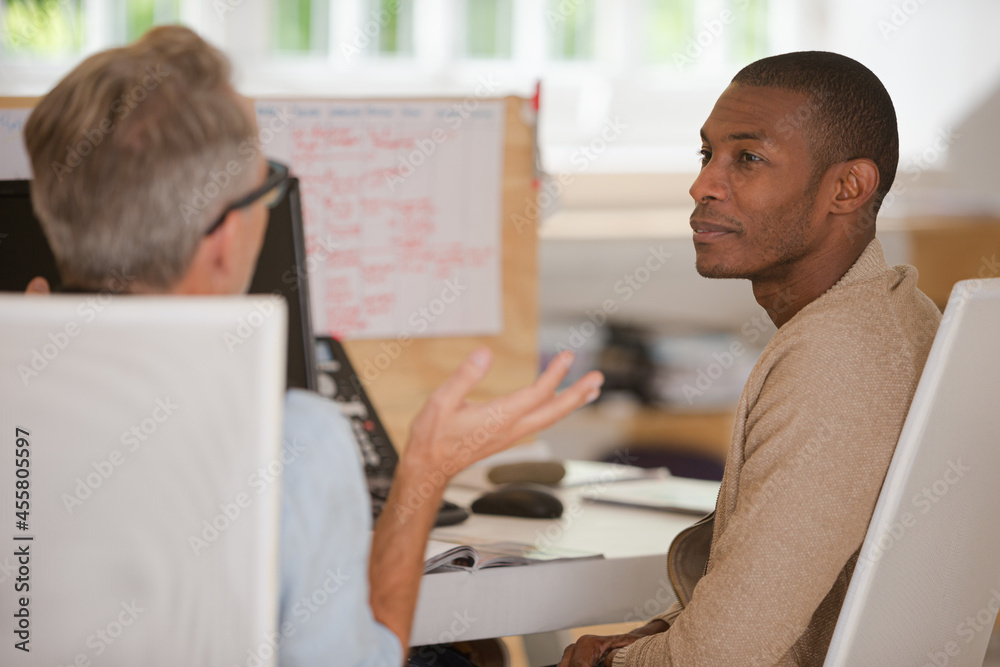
[[141, 15], [488, 28], [667, 25], [300, 26], [597, 59], [681, 33], [395, 38], [750, 42], [571, 28], [41, 27]]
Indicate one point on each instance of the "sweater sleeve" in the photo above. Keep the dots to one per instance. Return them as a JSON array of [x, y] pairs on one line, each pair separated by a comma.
[[817, 445]]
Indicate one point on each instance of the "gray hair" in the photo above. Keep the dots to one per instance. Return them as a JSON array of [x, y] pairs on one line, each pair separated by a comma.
[[135, 153]]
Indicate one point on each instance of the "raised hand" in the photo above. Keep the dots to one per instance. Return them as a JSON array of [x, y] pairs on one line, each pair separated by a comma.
[[451, 433]]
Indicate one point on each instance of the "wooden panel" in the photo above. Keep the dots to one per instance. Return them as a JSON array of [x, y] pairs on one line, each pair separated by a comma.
[[400, 376], [18, 102], [705, 433], [946, 250]]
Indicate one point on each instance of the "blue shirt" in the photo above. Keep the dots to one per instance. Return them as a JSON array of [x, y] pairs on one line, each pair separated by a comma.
[[325, 617]]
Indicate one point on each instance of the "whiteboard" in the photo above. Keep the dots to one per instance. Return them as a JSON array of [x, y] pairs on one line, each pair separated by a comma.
[[402, 206], [14, 164]]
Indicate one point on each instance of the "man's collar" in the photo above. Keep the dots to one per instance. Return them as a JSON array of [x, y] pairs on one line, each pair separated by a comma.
[[870, 264]]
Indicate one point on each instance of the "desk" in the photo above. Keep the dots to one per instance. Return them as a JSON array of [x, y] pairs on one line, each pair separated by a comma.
[[628, 584]]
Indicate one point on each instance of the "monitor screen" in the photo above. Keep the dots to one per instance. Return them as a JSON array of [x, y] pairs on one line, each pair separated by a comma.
[[24, 254], [281, 268]]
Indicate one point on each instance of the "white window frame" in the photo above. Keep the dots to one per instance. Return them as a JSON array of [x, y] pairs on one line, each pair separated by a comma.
[[579, 97]]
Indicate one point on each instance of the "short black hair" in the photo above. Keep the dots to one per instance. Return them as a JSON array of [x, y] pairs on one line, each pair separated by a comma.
[[849, 114]]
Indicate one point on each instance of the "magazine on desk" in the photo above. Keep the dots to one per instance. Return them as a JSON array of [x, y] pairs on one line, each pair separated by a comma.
[[451, 556]]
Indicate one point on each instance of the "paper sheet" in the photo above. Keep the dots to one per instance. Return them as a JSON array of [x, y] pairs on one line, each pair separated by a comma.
[[402, 204], [14, 164]]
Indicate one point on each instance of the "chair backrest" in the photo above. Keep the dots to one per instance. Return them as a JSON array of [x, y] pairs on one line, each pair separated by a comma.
[[138, 479], [926, 588]]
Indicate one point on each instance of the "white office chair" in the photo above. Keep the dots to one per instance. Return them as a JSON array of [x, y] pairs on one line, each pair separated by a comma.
[[926, 589], [135, 427]]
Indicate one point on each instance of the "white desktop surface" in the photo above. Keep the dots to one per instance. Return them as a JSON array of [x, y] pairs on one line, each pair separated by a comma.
[[629, 584]]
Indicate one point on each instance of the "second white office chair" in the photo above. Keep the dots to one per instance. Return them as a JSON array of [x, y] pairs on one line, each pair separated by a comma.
[[926, 589]]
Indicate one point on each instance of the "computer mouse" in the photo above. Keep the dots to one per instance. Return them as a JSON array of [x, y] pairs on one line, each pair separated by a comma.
[[534, 472], [521, 500]]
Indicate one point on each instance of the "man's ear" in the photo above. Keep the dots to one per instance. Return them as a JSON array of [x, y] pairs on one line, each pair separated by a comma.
[[857, 181], [215, 259], [227, 236]]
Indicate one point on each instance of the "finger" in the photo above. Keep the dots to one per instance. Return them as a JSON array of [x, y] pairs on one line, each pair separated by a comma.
[[466, 376], [587, 654], [38, 285], [566, 656], [523, 400], [583, 391]]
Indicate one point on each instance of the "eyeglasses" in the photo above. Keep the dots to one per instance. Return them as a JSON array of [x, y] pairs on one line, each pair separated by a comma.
[[271, 192]]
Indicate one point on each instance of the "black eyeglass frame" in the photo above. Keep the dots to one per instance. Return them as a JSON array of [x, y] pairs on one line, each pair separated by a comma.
[[277, 177]]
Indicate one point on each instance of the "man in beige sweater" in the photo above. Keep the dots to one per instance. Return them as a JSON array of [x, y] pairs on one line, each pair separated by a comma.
[[798, 154]]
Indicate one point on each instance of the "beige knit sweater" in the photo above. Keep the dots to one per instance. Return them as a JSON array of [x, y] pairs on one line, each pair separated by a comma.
[[815, 430]]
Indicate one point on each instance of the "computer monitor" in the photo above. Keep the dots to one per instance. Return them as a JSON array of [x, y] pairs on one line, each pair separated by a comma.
[[281, 268], [25, 253]]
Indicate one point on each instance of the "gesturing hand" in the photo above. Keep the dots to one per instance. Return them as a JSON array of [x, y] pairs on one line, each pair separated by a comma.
[[450, 433]]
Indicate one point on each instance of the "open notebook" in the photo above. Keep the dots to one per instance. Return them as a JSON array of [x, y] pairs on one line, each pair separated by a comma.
[[450, 556]]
